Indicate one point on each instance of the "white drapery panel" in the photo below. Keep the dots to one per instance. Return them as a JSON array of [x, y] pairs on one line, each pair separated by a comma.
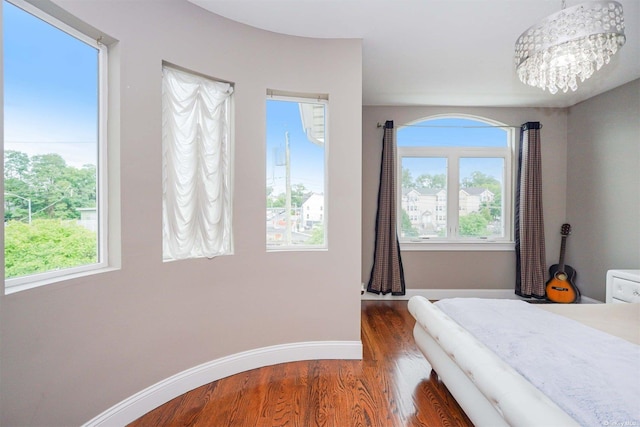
[[196, 166]]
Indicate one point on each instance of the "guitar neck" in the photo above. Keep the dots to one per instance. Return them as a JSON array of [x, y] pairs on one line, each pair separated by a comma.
[[563, 245]]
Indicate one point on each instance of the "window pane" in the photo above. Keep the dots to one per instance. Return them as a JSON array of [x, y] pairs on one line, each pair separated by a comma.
[[480, 197], [51, 147], [452, 132], [295, 205], [424, 198]]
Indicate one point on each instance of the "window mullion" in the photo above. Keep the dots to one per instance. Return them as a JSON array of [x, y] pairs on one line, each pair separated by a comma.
[[453, 189]]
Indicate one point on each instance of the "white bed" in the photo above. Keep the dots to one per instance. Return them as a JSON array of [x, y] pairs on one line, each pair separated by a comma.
[[502, 382]]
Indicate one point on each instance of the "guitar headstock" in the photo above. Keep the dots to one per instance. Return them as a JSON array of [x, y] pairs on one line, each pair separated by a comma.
[[565, 230]]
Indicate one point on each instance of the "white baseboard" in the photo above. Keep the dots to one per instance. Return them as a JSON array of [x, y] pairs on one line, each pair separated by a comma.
[[436, 294], [150, 398]]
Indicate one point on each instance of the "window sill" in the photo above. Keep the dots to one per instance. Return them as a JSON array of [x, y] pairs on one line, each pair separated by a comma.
[[503, 246], [12, 289], [275, 249]]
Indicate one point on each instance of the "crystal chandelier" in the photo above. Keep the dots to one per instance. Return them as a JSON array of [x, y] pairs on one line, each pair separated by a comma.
[[569, 44]]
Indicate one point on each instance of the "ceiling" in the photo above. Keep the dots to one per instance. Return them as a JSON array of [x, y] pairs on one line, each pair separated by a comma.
[[437, 52]]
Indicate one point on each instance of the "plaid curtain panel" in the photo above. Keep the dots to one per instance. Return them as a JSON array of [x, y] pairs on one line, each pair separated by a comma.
[[387, 274], [529, 223]]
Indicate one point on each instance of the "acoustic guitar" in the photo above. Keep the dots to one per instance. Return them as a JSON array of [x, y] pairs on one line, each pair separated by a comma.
[[561, 285]]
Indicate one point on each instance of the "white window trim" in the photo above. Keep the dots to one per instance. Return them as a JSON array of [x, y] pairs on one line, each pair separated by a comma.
[[40, 279], [452, 155], [438, 246], [318, 99]]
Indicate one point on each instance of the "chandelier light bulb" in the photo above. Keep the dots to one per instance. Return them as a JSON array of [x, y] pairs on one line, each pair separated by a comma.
[[569, 45]]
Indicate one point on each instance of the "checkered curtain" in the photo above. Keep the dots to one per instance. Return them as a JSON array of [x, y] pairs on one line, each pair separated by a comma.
[[529, 224], [387, 274]]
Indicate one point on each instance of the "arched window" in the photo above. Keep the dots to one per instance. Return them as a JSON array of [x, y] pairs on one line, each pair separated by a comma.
[[460, 167]]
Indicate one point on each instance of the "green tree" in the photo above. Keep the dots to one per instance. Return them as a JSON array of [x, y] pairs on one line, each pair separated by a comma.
[[482, 180], [299, 194], [278, 202], [55, 189], [407, 179], [317, 236], [407, 228], [438, 181], [48, 181], [16, 189], [45, 245], [492, 210], [82, 186], [16, 165], [474, 224]]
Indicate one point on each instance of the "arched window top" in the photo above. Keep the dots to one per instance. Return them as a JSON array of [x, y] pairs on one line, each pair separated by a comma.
[[453, 131]]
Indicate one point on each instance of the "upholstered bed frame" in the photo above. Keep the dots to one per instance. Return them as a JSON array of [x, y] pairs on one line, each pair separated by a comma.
[[490, 391]]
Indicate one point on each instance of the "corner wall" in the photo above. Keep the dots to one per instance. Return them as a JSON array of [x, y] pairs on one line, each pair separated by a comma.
[[603, 186], [73, 349]]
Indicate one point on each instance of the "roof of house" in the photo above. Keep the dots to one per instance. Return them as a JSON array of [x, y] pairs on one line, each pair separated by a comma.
[[423, 191], [475, 191]]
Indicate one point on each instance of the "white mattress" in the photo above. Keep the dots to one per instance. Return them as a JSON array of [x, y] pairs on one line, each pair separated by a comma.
[[493, 393], [621, 320], [591, 375]]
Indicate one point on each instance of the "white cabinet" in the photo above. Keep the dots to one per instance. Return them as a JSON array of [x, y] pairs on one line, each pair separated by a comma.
[[623, 286]]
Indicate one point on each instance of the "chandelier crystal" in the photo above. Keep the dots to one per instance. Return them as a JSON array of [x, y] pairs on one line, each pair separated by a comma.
[[570, 45]]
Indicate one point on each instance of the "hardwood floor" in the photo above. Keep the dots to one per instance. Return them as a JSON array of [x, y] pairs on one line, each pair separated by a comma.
[[390, 387]]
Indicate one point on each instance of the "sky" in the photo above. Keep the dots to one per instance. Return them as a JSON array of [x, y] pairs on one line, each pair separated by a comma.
[[452, 132], [50, 90], [51, 105], [307, 159]]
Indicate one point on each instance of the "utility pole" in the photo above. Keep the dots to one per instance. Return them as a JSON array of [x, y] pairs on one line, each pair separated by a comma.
[[287, 155]]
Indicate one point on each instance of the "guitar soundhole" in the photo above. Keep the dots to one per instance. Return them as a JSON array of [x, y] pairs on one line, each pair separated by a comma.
[[561, 276]]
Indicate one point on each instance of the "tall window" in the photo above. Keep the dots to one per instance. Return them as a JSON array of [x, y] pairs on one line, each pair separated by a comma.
[[196, 155], [456, 179], [54, 148], [296, 146]]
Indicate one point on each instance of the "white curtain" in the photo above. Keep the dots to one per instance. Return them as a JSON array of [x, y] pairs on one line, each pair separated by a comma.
[[196, 166]]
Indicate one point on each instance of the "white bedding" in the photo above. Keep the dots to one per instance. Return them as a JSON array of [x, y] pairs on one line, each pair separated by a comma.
[[614, 319], [591, 375]]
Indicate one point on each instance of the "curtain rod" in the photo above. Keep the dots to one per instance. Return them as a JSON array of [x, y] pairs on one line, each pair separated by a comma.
[[461, 127]]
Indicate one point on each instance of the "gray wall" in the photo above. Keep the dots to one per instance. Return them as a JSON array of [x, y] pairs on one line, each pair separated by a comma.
[[466, 270], [72, 349], [603, 186]]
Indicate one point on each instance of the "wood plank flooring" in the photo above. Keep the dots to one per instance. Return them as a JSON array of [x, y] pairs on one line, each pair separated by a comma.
[[391, 387]]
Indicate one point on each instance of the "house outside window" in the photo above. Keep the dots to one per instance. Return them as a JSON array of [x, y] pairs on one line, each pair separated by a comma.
[[55, 175], [456, 171], [312, 210]]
